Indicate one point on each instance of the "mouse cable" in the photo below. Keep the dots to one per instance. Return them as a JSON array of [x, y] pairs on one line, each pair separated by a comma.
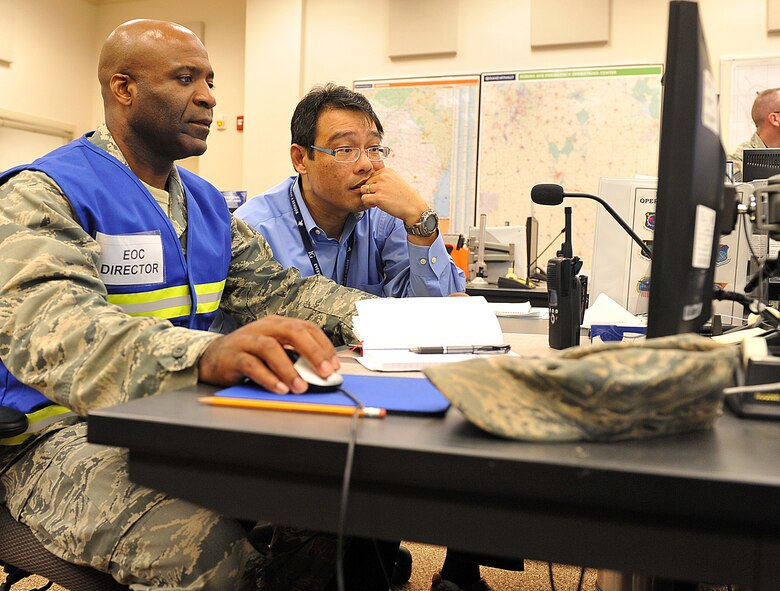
[[359, 405], [552, 580], [345, 489]]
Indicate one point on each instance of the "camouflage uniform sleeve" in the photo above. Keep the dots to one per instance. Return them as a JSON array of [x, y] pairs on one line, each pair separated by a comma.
[[58, 333], [258, 286]]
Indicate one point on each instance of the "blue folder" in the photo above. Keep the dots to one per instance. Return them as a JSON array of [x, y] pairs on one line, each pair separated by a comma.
[[404, 396]]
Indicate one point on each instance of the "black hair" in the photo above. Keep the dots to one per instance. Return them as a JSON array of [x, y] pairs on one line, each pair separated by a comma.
[[303, 126]]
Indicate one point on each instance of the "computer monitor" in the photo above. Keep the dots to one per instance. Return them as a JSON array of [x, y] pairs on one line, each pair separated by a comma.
[[760, 163], [691, 171]]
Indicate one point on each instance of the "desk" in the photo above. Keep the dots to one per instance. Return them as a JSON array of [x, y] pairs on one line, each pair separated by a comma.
[[699, 506]]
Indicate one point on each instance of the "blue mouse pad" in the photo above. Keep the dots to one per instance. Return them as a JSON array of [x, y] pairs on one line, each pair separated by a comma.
[[412, 396]]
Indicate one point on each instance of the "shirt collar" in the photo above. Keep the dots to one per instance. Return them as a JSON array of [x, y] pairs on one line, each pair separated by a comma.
[[758, 141]]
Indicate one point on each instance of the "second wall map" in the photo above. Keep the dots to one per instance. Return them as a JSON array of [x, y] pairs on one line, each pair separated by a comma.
[[478, 144], [431, 128]]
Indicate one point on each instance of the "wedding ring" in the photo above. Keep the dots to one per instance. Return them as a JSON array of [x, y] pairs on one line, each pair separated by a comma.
[[368, 187]]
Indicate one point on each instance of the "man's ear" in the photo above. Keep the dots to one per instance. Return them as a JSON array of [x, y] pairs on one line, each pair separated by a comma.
[[123, 88], [299, 156]]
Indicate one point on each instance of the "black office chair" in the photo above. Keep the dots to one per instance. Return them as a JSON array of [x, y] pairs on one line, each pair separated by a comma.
[[22, 555]]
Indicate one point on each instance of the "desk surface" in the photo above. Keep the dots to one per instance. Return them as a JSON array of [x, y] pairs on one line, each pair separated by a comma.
[[699, 506]]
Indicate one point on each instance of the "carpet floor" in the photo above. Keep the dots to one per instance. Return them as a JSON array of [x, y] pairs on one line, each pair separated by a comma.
[[426, 560]]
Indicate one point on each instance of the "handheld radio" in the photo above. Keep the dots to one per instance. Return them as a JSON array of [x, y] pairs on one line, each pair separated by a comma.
[[564, 294]]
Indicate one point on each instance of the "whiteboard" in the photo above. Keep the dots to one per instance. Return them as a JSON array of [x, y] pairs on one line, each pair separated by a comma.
[[741, 79]]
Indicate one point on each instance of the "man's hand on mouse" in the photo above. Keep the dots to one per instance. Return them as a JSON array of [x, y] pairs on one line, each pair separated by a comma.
[[255, 352]]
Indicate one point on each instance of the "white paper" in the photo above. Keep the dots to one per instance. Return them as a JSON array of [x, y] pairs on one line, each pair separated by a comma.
[[402, 323], [389, 327], [511, 309], [403, 360], [605, 310]]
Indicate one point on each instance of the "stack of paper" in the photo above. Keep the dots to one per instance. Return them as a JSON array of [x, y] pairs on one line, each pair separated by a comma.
[[512, 309], [605, 310], [389, 327]]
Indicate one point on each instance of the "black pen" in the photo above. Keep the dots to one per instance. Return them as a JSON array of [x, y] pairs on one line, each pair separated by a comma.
[[461, 350]]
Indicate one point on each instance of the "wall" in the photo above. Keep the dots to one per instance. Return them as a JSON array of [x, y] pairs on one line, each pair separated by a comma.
[[222, 164], [492, 35], [54, 73], [736, 30], [54, 63], [273, 87], [267, 53]]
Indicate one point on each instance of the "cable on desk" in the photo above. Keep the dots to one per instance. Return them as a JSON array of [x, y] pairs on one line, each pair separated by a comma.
[[359, 405], [552, 580], [345, 489]]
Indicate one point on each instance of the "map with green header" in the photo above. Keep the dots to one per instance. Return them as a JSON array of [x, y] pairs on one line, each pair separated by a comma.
[[430, 127], [568, 127]]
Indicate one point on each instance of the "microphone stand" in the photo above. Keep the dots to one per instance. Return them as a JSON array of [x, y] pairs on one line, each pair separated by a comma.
[[645, 250]]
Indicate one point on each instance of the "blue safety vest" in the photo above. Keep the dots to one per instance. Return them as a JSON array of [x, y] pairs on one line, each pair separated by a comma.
[[109, 199]]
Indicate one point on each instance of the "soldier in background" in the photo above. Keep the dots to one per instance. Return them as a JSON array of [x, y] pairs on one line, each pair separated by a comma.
[[766, 116], [97, 309]]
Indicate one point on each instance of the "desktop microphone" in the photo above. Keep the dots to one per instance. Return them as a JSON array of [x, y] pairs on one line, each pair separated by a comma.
[[549, 194]]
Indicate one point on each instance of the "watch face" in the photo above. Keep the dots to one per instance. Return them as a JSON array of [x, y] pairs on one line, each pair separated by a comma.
[[430, 223]]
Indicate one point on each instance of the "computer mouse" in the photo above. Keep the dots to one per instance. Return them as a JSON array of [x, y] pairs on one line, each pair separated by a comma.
[[308, 375]]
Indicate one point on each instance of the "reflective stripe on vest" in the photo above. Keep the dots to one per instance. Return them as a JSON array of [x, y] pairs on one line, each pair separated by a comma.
[[170, 302], [38, 420]]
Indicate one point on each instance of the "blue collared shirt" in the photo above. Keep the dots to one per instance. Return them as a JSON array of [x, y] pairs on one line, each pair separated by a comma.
[[383, 261]]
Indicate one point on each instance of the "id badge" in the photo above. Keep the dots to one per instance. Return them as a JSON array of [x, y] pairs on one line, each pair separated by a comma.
[[130, 259]]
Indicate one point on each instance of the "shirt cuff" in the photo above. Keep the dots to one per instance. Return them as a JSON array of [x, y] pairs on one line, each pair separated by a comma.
[[426, 260]]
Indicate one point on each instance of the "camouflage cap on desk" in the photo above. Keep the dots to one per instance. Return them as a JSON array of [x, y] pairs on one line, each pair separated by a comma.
[[597, 393]]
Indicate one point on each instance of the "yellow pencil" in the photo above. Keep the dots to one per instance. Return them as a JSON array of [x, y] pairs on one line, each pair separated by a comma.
[[329, 409]]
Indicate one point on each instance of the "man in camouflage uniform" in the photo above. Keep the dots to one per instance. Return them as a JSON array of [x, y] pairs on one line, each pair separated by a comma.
[[61, 334], [766, 115]]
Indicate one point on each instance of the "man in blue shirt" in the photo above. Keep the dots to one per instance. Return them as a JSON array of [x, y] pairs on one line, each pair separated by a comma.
[[345, 215], [348, 217]]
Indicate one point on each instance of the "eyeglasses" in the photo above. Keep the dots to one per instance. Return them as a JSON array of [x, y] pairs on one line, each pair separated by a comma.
[[374, 153]]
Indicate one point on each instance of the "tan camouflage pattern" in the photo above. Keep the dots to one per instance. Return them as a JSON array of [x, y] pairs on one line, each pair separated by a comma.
[[602, 392], [61, 491], [59, 334], [737, 155]]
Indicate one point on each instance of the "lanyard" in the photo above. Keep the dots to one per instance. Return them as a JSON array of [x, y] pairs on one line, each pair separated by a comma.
[[307, 243]]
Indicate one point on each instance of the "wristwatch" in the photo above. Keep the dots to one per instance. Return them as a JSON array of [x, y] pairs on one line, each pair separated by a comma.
[[425, 226]]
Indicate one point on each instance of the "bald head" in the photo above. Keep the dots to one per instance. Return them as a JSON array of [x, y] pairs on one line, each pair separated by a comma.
[[156, 81], [766, 103], [766, 116], [134, 44]]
